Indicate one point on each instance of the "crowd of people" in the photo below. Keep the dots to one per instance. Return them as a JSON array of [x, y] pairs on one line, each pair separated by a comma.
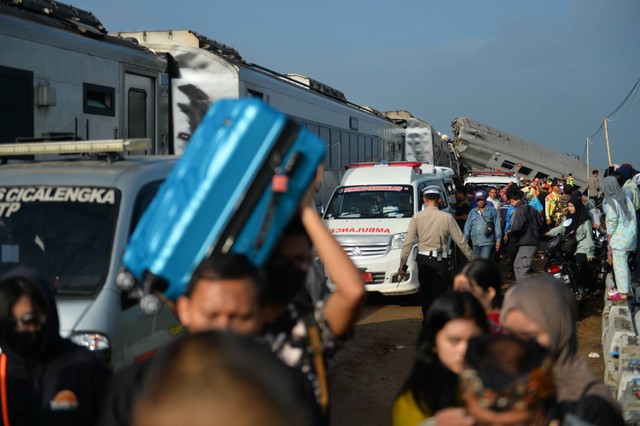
[[259, 342], [512, 359]]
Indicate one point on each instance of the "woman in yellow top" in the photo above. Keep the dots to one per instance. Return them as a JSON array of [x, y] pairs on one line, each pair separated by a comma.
[[430, 394]]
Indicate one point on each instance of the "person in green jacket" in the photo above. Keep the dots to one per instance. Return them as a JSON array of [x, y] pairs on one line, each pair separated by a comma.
[[580, 227]]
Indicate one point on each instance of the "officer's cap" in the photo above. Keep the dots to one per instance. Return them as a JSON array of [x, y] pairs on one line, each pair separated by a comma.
[[432, 189]]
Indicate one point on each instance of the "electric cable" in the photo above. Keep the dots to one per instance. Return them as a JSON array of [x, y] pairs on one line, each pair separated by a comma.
[[632, 95]]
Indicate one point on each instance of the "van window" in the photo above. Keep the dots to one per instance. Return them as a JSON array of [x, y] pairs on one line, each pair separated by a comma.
[[144, 198], [65, 233], [371, 202], [443, 194]]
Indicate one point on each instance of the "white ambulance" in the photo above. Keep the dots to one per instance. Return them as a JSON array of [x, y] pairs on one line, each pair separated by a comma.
[[487, 179], [369, 215]]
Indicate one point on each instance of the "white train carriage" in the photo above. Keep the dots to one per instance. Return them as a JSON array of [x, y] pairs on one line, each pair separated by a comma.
[[63, 77], [208, 71]]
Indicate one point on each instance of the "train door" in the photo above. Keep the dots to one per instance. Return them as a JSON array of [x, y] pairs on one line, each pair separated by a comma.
[[16, 104], [138, 109]]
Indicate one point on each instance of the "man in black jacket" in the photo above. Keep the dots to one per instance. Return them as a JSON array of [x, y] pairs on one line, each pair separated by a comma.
[[45, 379], [525, 231]]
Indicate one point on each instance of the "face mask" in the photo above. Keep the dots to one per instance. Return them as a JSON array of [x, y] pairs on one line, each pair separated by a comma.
[[286, 280], [26, 344]]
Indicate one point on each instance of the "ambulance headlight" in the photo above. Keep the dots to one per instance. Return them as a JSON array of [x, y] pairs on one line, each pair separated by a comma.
[[95, 342], [397, 240]]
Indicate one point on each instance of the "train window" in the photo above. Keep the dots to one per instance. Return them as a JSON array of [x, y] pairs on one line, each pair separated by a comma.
[[344, 142], [541, 175], [525, 171], [254, 94], [385, 150], [137, 117], [313, 129], [367, 149], [375, 149], [362, 154], [99, 100], [506, 164], [334, 150], [325, 135], [353, 148]]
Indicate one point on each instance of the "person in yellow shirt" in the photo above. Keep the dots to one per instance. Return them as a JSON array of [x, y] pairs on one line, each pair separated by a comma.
[[430, 394], [550, 202], [570, 180]]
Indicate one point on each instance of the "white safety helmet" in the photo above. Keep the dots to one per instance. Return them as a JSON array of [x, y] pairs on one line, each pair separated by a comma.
[[432, 189]]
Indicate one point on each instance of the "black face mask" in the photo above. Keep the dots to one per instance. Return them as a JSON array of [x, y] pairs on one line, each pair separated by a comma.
[[286, 280], [26, 344]]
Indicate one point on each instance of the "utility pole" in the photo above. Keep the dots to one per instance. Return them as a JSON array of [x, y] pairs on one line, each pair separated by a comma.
[[587, 142], [606, 136]]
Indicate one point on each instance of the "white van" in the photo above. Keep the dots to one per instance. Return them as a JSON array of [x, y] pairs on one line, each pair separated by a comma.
[[70, 219], [369, 214]]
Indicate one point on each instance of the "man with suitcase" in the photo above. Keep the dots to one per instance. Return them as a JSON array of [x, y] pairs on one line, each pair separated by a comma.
[[225, 293], [296, 320]]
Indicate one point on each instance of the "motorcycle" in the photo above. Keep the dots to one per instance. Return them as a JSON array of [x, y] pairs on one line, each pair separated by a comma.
[[562, 265]]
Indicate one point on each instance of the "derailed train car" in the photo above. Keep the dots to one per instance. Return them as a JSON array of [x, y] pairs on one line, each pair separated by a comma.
[[422, 142], [486, 148]]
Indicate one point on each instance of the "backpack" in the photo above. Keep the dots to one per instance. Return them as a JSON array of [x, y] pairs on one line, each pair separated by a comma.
[[535, 220]]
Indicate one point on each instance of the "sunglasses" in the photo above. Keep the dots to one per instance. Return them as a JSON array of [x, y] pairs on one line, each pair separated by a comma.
[[481, 199]]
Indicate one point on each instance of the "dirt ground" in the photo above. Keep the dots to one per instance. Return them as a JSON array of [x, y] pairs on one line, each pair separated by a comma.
[[370, 369]]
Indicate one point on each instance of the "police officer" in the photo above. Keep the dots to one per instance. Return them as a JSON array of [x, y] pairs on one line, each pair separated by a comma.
[[432, 228]]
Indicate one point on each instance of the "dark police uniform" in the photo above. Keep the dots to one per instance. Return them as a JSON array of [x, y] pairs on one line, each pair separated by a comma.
[[432, 228]]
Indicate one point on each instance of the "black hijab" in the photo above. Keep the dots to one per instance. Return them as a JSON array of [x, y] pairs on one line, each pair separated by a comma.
[[579, 217]]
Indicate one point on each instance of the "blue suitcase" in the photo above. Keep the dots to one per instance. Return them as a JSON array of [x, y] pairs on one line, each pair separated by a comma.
[[225, 194]]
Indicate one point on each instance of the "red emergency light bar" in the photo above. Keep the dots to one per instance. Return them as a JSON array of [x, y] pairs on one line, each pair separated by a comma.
[[415, 164]]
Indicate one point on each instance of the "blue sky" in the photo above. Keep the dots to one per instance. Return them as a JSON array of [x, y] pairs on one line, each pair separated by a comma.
[[547, 71]]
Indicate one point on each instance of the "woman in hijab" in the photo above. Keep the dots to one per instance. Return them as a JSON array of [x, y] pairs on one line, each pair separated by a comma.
[[430, 395], [580, 228], [509, 381], [543, 309], [621, 224]]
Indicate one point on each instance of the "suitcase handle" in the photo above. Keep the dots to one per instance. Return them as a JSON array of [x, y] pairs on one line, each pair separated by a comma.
[[288, 170]]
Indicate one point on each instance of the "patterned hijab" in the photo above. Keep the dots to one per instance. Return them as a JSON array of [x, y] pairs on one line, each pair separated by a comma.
[[550, 304], [613, 195]]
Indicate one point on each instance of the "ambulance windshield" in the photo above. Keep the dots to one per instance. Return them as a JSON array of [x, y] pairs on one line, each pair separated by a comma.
[[65, 233], [371, 202]]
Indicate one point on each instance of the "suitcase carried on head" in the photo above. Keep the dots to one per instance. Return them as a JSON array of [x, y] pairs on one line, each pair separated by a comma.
[[239, 181]]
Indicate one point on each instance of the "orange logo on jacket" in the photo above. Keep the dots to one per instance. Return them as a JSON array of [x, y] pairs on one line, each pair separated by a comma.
[[65, 400]]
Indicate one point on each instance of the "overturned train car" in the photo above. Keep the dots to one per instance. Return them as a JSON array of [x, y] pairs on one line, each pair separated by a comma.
[[481, 147]]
